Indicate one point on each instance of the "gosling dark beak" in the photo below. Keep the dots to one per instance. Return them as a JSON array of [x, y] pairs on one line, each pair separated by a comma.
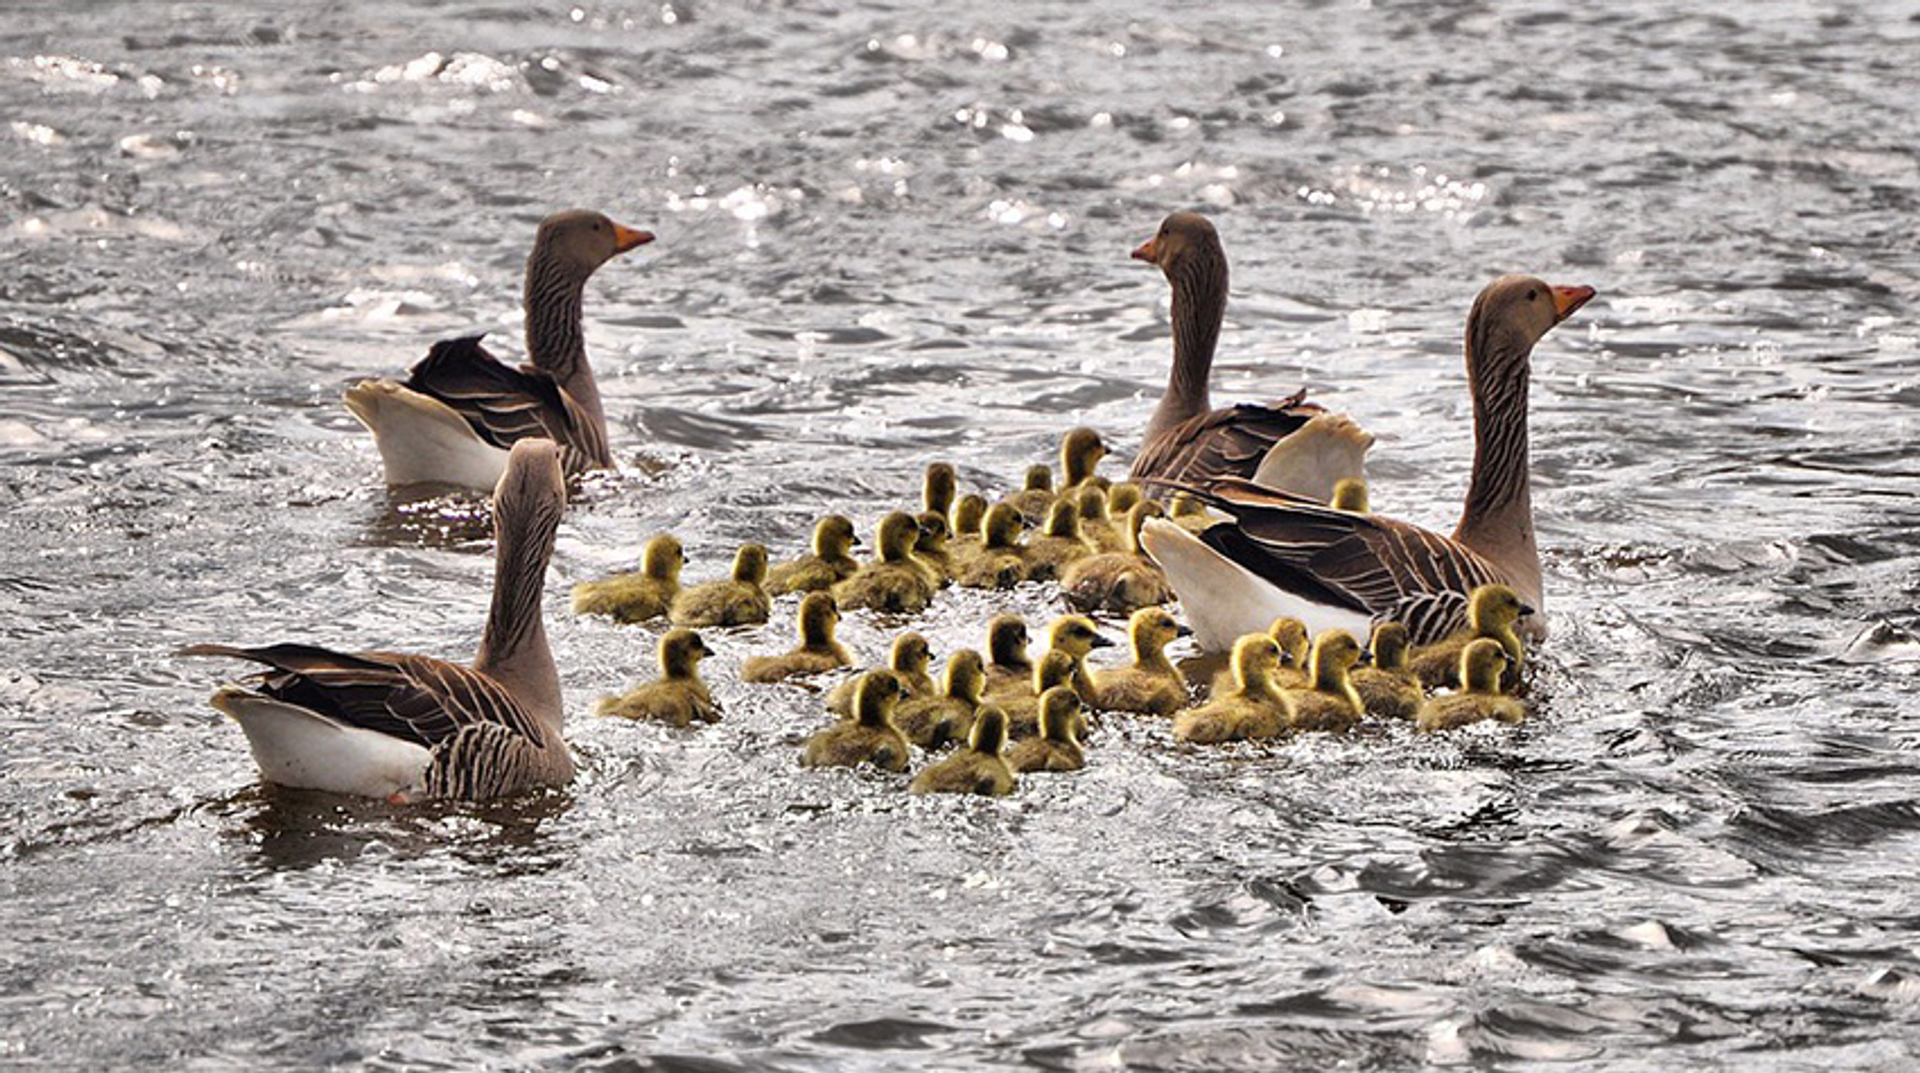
[[1525, 609], [1148, 251], [626, 238], [1102, 641], [1366, 658], [1568, 299], [1183, 630]]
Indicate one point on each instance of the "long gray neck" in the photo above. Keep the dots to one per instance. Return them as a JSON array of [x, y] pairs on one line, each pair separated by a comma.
[[514, 650], [1199, 284], [1498, 519], [556, 343]]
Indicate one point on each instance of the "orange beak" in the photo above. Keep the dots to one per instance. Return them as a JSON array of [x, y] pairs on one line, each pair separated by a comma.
[[1148, 251], [626, 238], [1568, 299]]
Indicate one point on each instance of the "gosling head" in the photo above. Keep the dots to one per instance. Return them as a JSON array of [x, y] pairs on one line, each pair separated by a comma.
[[1007, 640], [897, 535], [1080, 451], [1349, 494], [874, 698], [1334, 654], [969, 511], [1002, 527], [1039, 479], [1483, 663], [1092, 503], [1493, 609], [817, 617], [1075, 635], [989, 730], [575, 242], [1151, 629], [1060, 715], [966, 675], [941, 484], [750, 565], [834, 537], [1054, 669], [1389, 646], [681, 651], [1290, 635], [910, 654], [933, 533], [662, 558], [1255, 658], [1063, 519]]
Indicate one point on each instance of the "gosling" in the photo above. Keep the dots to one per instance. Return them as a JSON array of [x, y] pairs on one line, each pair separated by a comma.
[[1119, 581], [1252, 710], [1151, 685], [1492, 612], [1059, 545], [817, 653], [678, 697], [740, 601], [1387, 687], [933, 722], [868, 736], [830, 560], [895, 582], [907, 663], [1329, 702], [1482, 664], [1035, 495], [640, 596], [980, 768], [1058, 747], [998, 563]]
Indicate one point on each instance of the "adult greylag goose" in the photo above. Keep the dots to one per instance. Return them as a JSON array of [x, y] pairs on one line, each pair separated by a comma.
[[405, 727], [459, 410], [1337, 569], [1292, 444], [679, 697]]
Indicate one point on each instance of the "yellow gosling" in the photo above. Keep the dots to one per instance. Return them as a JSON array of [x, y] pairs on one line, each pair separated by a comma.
[[1290, 634], [1035, 495], [1492, 612], [678, 697], [739, 601], [907, 664], [930, 549], [1252, 710], [1059, 545], [999, 562], [933, 722], [1096, 525], [1022, 706], [868, 736], [1483, 662], [1387, 687], [980, 768], [1057, 748], [640, 596], [936, 493], [1119, 581], [1151, 685], [1349, 494], [830, 560], [1007, 660], [1329, 702], [1080, 451], [817, 653], [894, 582]]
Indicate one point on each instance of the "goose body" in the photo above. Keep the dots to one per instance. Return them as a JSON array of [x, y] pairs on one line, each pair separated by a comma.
[[640, 596], [1482, 665], [406, 727], [828, 560], [1340, 570], [980, 768], [459, 411], [1187, 440], [817, 653], [868, 736], [679, 697], [741, 600]]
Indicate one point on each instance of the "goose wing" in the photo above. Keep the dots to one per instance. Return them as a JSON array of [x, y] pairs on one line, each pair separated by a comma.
[[504, 404], [1228, 442], [417, 699], [1381, 567]]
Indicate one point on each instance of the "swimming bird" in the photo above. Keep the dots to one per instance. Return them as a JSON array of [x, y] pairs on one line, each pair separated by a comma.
[[1253, 709], [933, 721], [1022, 704], [1035, 495], [1119, 581], [999, 562], [907, 662], [1187, 440], [829, 560], [1080, 451], [636, 597], [1096, 525], [1057, 747], [1007, 660], [1482, 664], [893, 582], [1293, 671], [459, 410], [930, 550], [868, 736], [1187, 512], [938, 488], [1059, 545], [818, 651], [980, 768], [1387, 687], [741, 600], [968, 513], [1329, 701], [679, 696], [1121, 498], [1151, 685], [1335, 569], [404, 727], [1493, 611]]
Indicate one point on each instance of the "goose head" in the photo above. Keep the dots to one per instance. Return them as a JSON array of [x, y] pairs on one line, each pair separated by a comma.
[[897, 535], [1389, 646], [1151, 630], [818, 616], [941, 483], [1092, 503], [1137, 516], [1492, 610], [1334, 654], [910, 654], [989, 731], [1510, 315], [681, 651], [1063, 519], [1056, 668], [1075, 635], [1007, 641], [874, 699], [662, 558], [1121, 497], [1255, 658], [1290, 636], [1185, 244], [576, 242], [1039, 479], [750, 565], [1482, 665], [1060, 715], [1001, 527], [1080, 451], [933, 535], [834, 537], [966, 676]]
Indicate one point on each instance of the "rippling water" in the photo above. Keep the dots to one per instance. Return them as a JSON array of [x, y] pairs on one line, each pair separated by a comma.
[[888, 236]]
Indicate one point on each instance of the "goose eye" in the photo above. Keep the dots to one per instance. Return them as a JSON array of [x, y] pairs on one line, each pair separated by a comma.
[[1532, 294]]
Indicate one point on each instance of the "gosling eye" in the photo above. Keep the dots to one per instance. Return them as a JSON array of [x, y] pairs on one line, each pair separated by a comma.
[[1532, 294]]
